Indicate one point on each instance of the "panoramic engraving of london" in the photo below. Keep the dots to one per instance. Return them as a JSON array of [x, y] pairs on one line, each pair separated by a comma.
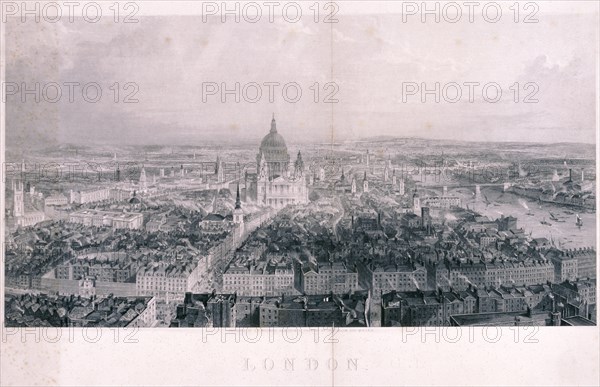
[[299, 164]]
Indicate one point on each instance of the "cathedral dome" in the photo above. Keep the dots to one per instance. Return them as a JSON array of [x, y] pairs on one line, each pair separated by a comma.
[[273, 146], [274, 141]]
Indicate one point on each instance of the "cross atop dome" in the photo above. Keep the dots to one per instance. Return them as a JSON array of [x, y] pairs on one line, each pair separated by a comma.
[[273, 125]]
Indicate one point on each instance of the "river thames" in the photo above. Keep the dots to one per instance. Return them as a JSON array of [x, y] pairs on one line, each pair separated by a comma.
[[530, 214]]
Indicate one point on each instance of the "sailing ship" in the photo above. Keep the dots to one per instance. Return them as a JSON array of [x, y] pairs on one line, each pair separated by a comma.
[[578, 221]]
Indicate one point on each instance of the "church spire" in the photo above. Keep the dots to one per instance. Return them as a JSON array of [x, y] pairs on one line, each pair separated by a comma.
[[273, 125], [118, 173], [238, 203]]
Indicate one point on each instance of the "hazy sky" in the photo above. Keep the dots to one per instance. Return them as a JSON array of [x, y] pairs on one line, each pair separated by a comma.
[[367, 56]]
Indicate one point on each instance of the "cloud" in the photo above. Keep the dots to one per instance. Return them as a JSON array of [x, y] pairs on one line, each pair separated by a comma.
[[367, 56]]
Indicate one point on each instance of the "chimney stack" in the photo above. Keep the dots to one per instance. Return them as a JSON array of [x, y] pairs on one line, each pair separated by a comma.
[[555, 319]]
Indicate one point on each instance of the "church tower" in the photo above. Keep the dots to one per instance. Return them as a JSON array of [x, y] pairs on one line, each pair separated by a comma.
[[386, 173], [219, 171], [365, 183], [394, 179], [18, 204], [416, 202], [143, 182], [353, 186], [263, 167]]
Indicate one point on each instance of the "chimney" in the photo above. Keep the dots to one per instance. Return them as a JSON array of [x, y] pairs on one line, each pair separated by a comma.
[[555, 319], [181, 311]]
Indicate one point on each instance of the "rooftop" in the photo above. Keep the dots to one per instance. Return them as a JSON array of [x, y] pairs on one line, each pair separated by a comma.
[[537, 318]]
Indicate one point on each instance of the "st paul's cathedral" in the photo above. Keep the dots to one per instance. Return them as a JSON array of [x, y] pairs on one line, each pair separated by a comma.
[[276, 182]]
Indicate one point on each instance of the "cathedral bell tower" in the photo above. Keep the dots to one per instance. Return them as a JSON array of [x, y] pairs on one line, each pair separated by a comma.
[[299, 165]]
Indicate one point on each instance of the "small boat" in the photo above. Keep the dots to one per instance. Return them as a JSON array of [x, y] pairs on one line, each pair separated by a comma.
[[578, 221], [530, 213], [545, 223]]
